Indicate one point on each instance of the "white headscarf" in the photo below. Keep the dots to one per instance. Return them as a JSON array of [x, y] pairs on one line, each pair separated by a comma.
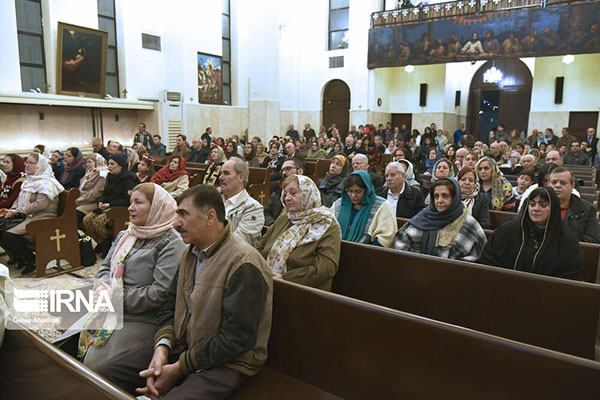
[[42, 181], [100, 170]]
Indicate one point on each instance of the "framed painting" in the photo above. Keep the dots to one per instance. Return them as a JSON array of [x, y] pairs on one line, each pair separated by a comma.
[[210, 89], [81, 61]]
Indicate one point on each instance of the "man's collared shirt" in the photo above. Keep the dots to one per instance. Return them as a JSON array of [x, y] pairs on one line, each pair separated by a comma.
[[393, 200], [231, 202]]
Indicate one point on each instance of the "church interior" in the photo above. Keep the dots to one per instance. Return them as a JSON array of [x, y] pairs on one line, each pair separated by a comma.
[[192, 89]]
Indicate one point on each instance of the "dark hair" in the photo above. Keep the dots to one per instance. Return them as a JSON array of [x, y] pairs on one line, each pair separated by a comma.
[[205, 197], [175, 158], [538, 192], [41, 147], [560, 170], [297, 162], [74, 151], [544, 171], [158, 136], [182, 137], [151, 169], [528, 173], [141, 123], [355, 179], [443, 182]]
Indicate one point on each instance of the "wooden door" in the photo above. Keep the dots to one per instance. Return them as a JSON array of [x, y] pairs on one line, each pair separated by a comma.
[[336, 105], [399, 119], [514, 108], [579, 122]]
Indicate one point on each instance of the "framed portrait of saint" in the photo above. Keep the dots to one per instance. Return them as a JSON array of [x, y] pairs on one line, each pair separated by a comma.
[[210, 79], [81, 61]]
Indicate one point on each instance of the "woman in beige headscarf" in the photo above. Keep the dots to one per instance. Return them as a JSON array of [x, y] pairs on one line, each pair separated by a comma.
[[303, 244], [91, 186], [142, 261]]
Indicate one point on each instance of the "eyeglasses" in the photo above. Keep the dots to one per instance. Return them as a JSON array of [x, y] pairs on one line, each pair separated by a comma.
[[287, 169], [355, 192]]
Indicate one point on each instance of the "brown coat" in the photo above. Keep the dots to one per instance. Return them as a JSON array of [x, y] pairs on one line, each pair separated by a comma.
[[39, 207], [313, 264], [89, 195]]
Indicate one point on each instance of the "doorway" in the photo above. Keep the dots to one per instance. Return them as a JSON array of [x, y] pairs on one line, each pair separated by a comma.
[[336, 105], [506, 101], [402, 119], [579, 122]]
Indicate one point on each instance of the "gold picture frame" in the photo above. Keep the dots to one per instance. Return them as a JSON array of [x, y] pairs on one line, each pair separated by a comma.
[[81, 61]]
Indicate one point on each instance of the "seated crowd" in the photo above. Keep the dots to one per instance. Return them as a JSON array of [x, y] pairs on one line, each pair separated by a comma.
[[442, 186]]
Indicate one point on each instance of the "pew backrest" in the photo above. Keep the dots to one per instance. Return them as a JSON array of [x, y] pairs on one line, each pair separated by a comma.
[[548, 312], [356, 350]]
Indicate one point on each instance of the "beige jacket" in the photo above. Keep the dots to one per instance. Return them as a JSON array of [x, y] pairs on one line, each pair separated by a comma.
[[178, 186], [89, 195], [246, 218], [39, 207]]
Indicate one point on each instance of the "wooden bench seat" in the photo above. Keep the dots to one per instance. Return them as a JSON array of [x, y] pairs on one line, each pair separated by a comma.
[[553, 313], [31, 368], [57, 238], [357, 350]]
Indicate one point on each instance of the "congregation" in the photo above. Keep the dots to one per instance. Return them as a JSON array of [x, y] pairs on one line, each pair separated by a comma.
[[443, 185]]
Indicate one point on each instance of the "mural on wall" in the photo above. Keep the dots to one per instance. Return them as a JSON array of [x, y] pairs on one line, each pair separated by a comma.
[[568, 29], [81, 61], [210, 90]]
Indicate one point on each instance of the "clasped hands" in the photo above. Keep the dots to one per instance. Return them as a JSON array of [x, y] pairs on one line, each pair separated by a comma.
[[160, 376]]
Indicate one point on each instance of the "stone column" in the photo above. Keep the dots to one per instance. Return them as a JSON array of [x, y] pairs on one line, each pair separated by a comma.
[[263, 99]]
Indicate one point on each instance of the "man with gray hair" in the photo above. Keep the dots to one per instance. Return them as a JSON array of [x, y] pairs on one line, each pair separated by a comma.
[[405, 199], [360, 162], [528, 164], [245, 215], [555, 157]]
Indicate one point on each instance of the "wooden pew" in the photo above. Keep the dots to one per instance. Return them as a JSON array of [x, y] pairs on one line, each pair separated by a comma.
[[259, 185], [321, 169], [310, 168], [31, 368], [500, 217], [325, 346], [120, 218], [553, 313], [57, 238]]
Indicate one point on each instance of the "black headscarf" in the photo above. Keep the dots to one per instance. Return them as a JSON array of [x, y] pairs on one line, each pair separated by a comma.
[[523, 246], [331, 181], [430, 220]]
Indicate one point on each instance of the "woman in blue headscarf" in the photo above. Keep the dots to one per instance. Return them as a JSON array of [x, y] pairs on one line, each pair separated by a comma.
[[363, 216], [444, 228]]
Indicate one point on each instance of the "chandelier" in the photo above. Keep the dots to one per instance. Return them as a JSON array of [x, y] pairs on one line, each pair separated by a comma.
[[492, 75]]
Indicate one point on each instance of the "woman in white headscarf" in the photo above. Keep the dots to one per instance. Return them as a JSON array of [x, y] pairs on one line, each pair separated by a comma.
[[91, 186], [303, 244], [142, 261], [38, 199]]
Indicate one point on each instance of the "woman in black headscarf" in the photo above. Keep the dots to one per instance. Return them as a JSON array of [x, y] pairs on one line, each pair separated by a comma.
[[538, 242], [332, 186]]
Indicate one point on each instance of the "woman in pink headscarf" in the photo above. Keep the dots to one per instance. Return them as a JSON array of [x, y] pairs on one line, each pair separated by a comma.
[[142, 262]]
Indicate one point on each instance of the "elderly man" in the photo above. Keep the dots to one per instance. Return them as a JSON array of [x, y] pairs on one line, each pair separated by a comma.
[[245, 215], [157, 148], [349, 147], [495, 151], [554, 157], [592, 142], [578, 214], [196, 156], [99, 148], [290, 150], [405, 199], [293, 133], [360, 162], [576, 156], [291, 166], [528, 164], [460, 157], [214, 327]]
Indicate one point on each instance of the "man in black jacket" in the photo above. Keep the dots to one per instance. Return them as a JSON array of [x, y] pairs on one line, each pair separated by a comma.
[[291, 166], [406, 200], [578, 214]]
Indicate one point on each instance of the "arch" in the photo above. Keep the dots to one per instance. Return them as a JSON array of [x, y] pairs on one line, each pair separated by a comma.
[[507, 102], [336, 105]]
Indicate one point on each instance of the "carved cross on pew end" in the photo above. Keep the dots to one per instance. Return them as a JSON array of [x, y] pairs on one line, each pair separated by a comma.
[[57, 237], [262, 197]]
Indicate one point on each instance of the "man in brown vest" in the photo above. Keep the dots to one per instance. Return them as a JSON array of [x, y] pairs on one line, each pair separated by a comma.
[[214, 328]]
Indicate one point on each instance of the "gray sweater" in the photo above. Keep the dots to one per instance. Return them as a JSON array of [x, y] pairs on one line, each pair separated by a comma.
[[150, 268]]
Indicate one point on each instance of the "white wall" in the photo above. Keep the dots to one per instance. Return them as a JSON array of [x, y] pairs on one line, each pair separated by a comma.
[[10, 78]]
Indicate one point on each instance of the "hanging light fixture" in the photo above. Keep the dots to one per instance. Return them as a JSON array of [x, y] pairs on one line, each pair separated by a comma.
[[492, 75], [409, 68]]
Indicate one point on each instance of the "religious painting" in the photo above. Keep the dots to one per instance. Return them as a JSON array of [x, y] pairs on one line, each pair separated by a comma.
[[532, 32], [210, 89], [81, 61]]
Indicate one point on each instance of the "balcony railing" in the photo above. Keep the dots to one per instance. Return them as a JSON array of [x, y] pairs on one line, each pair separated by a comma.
[[451, 9]]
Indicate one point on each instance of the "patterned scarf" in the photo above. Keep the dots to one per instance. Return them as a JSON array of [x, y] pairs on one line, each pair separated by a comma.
[[100, 326], [308, 225], [78, 159], [468, 199], [502, 191]]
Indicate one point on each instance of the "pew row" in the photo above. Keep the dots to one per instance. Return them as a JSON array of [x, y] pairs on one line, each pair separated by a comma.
[[326, 346], [591, 255], [31, 368], [552, 313], [57, 238]]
